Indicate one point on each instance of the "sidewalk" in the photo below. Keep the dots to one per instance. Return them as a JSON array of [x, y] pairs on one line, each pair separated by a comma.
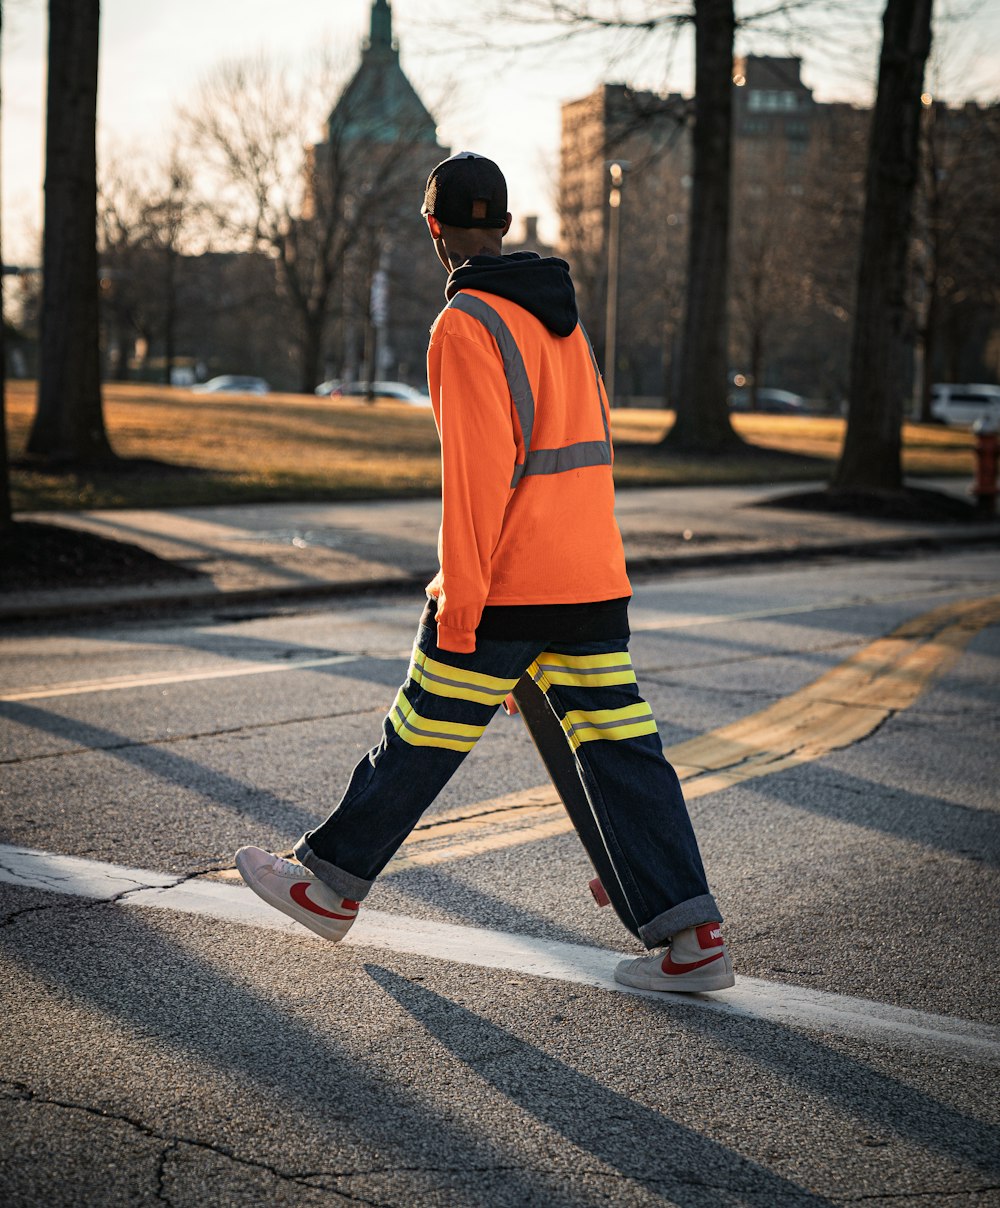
[[290, 551]]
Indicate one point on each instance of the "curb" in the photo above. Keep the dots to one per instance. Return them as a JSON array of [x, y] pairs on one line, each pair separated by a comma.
[[192, 597], [875, 547]]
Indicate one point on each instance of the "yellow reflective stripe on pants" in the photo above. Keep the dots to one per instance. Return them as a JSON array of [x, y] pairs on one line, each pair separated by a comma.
[[583, 671], [442, 679], [613, 725], [429, 732]]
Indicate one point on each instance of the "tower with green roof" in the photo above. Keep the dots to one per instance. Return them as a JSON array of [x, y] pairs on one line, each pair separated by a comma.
[[380, 144], [380, 105]]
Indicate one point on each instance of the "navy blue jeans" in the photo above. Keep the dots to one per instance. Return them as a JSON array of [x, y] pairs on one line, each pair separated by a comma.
[[597, 738]]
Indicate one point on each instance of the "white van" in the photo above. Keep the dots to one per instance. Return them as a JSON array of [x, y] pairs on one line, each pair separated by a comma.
[[964, 404]]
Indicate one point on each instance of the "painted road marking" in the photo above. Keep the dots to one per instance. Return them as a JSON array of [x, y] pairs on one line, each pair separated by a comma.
[[788, 1006], [643, 623], [154, 679], [640, 623], [844, 705]]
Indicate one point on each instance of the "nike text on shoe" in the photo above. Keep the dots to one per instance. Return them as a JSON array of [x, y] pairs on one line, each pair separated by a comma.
[[294, 890], [695, 961]]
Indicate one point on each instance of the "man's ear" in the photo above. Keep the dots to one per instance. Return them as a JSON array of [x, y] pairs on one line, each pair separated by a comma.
[[506, 227], [433, 226]]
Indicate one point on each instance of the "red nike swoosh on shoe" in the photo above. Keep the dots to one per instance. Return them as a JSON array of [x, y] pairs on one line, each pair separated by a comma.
[[669, 965], [300, 894]]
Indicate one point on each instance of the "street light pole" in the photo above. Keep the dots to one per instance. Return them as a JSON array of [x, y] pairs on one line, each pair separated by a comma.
[[617, 168]]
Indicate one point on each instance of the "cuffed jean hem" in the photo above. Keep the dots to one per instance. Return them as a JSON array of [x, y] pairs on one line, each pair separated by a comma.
[[691, 913], [344, 883]]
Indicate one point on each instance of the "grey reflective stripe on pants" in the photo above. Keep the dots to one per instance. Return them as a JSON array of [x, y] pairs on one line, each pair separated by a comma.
[[536, 461]]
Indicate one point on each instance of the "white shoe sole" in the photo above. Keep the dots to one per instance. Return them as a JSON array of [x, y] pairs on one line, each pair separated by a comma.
[[645, 974], [331, 930]]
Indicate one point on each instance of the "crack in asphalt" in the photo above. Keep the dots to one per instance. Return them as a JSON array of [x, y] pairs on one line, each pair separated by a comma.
[[79, 903], [161, 1172], [167, 739], [9, 920], [313, 1179], [328, 1179], [24, 1093]]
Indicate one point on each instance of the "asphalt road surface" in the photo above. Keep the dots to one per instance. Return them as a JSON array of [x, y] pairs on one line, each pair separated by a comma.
[[169, 1039]]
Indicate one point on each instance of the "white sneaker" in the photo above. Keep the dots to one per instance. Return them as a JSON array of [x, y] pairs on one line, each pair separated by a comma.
[[696, 960], [292, 889]]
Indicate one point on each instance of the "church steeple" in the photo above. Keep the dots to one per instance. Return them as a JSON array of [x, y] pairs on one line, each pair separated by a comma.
[[380, 36]]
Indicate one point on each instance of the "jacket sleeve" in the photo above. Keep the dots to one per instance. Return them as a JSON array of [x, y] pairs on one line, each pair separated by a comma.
[[478, 450]]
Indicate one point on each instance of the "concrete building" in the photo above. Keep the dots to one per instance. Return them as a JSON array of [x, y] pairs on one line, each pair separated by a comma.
[[775, 118], [648, 134]]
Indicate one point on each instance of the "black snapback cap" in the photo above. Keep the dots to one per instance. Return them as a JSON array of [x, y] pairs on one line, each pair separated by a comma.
[[467, 190]]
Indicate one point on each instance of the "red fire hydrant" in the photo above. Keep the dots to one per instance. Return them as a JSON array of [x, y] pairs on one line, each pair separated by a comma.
[[984, 488]]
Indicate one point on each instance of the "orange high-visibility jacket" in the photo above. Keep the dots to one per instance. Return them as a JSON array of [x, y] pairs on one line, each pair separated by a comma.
[[527, 491]]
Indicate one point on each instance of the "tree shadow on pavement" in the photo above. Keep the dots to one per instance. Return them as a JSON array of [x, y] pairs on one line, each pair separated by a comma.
[[378, 667], [838, 796], [680, 1161], [166, 765], [857, 1088], [307, 1109]]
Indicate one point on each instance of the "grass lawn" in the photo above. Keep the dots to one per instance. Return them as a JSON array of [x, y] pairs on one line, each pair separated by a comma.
[[189, 449]]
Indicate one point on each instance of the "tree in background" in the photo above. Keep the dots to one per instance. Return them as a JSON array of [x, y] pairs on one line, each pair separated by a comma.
[[648, 133], [829, 215], [6, 513], [652, 299], [145, 221], [309, 214], [69, 423], [958, 254], [767, 263], [882, 342], [703, 423]]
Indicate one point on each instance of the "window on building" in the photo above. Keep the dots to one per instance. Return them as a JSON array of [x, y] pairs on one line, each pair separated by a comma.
[[771, 100]]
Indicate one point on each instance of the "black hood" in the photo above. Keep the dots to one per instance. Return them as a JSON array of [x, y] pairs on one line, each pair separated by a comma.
[[542, 285]]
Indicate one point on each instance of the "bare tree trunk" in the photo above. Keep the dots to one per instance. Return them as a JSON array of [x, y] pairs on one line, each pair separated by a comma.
[[703, 423], [6, 511], [312, 351], [756, 364], [170, 317], [872, 456], [69, 422], [929, 348]]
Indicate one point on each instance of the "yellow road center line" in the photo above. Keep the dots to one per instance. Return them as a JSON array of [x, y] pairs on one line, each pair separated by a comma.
[[838, 709]]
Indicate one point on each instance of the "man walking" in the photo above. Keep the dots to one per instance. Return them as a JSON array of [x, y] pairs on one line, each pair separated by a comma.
[[531, 599]]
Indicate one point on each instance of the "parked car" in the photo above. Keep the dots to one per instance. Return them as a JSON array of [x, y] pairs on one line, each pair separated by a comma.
[[332, 386], [963, 404], [233, 383], [769, 401], [394, 390]]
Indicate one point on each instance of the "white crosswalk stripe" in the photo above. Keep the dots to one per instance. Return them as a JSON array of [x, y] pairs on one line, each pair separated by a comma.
[[789, 1006]]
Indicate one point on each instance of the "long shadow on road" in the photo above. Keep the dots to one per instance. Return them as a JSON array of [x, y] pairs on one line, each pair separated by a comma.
[[546, 1087], [166, 765], [297, 1082], [930, 821]]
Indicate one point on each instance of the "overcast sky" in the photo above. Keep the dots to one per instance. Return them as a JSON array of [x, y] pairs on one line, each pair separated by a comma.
[[505, 104]]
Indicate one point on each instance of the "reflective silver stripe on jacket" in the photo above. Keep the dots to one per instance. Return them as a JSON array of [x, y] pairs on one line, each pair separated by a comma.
[[536, 461]]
